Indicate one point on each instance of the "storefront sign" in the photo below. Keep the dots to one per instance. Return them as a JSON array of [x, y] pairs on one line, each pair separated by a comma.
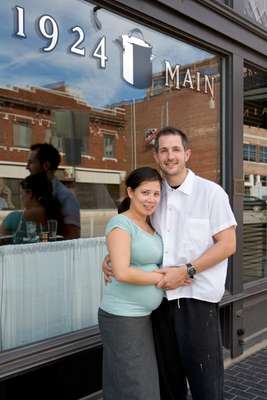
[[48, 28], [137, 60], [196, 81], [136, 52]]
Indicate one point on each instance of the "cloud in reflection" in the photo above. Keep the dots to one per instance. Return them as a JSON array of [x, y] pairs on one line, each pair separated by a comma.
[[22, 63]]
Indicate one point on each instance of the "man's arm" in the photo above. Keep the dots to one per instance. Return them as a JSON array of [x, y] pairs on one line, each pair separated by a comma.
[[3, 230], [224, 246], [71, 231]]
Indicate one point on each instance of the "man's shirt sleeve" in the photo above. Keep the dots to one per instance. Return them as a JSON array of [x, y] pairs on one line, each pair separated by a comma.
[[221, 214]]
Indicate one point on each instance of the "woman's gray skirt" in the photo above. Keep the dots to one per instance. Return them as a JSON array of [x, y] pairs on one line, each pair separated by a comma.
[[130, 369]]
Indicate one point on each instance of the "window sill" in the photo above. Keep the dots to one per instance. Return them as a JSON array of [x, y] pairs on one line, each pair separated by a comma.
[[88, 157], [21, 359], [249, 289], [109, 159], [17, 148]]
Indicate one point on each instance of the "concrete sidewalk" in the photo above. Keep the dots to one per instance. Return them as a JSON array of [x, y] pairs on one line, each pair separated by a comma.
[[245, 376], [247, 379]]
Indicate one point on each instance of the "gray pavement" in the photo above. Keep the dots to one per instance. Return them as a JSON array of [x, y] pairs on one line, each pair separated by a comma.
[[247, 379]]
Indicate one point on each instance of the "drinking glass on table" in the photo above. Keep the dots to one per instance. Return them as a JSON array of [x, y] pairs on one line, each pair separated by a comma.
[[52, 228], [43, 235]]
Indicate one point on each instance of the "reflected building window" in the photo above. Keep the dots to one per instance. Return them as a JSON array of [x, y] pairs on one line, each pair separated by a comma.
[[53, 138], [249, 152], [22, 134], [109, 146], [263, 154]]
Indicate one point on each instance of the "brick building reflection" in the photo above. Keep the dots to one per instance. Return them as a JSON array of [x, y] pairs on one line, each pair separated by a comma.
[[94, 156], [195, 112], [114, 140]]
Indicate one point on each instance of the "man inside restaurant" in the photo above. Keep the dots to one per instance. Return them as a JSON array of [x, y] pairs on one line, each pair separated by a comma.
[[44, 157]]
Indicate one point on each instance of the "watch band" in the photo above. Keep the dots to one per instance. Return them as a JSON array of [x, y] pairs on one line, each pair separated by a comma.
[[191, 270]]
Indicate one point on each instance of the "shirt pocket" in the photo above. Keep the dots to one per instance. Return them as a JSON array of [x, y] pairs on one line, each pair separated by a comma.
[[198, 232]]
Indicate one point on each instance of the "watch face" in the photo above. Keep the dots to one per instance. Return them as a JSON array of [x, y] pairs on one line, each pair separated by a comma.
[[191, 270]]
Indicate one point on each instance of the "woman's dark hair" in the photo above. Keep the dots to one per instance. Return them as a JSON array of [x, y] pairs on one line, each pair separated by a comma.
[[42, 190], [135, 179]]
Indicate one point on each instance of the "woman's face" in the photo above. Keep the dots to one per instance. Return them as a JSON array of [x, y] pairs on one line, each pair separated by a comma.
[[26, 198], [145, 198]]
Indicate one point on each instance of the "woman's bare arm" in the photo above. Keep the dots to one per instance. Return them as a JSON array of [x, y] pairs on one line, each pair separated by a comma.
[[119, 245]]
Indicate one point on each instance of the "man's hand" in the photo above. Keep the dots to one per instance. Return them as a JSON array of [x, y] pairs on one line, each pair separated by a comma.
[[107, 270], [174, 277]]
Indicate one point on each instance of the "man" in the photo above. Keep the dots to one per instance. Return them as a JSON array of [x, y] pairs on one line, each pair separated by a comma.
[[198, 231], [45, 157]]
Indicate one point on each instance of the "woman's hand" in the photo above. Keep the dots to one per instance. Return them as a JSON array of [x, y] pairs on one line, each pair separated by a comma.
[[174, 277], [107, 269]]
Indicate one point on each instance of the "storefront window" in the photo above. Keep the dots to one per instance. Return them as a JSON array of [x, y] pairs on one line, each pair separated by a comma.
[[255, 172], [98, 87]]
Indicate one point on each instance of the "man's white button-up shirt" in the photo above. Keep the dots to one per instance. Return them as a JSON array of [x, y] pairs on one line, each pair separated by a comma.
[[187, 219]]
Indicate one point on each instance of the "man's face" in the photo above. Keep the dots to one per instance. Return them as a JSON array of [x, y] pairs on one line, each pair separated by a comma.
[[33, 164], [171, 156]]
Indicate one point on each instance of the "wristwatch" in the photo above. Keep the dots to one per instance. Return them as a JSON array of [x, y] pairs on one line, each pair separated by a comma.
[[191, 270]]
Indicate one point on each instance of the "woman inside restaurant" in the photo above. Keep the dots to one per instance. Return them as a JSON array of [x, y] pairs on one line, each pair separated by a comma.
[[38, 205], [129, 361]]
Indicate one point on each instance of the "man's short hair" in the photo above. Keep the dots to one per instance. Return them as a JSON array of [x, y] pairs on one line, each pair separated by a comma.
[[169, 130], [47, 152]]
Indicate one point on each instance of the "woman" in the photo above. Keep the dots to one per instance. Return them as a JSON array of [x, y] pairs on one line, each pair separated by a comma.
[[129, 362], [39, 206]]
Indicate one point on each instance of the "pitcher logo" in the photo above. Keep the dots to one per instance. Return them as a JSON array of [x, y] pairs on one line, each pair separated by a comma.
[[137, 64]]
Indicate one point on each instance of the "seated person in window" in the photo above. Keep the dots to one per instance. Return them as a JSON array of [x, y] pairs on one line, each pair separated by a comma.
[[5, 196], [3, 203], [38, 204], [45, 158]]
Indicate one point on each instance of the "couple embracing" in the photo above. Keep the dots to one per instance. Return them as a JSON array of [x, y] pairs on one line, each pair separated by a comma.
[[168, 247]]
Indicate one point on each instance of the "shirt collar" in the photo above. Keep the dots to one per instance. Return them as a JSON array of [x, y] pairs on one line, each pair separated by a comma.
[[187, 185]]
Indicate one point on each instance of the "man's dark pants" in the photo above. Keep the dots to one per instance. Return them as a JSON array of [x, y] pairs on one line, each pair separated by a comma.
[[188, 344]]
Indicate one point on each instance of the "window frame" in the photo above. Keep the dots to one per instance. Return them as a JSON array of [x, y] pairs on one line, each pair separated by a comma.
[[110, 135], [28, 132], [250, 151]]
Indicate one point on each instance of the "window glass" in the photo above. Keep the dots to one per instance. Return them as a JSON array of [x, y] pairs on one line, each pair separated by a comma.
[[263, 154], [255, 172], [72, 83], [98, 87], [109, 146], [249, 152], [22, 133]]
